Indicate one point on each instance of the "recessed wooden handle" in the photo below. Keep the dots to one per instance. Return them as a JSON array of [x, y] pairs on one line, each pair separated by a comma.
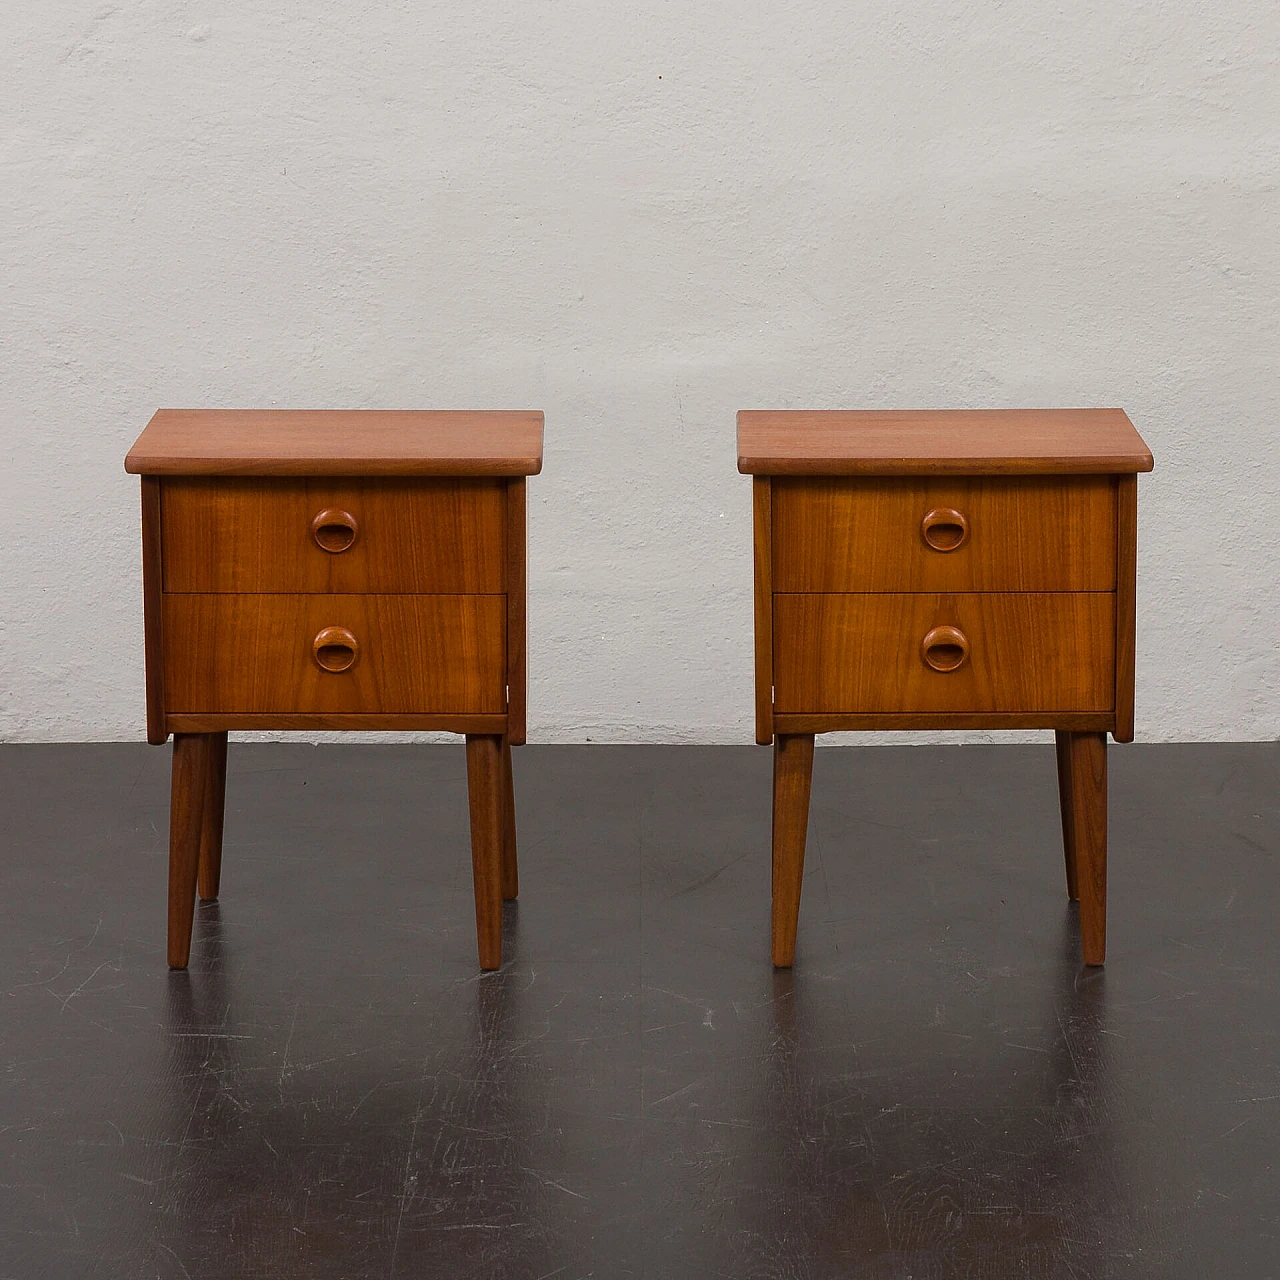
[[945, 529], [335, 649], [945, 649], [334, 530]]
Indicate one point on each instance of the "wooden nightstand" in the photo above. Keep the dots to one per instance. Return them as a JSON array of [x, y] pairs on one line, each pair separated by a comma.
[[334, 570], [945, 570]]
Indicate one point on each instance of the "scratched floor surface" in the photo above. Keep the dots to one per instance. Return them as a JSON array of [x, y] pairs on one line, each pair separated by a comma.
[[938, 1089]]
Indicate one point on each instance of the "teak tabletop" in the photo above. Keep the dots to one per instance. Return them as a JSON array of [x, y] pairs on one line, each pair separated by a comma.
[[334, 442], [904, 442]]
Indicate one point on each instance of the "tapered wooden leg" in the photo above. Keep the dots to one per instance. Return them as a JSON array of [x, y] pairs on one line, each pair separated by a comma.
[[1088, 770], [1062, 741], [792, 770], [211, 827], [485, 787], [186, 802], [510, 870]]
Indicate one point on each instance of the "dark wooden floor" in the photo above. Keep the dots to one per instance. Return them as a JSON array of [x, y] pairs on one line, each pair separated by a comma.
[[938, 1089]]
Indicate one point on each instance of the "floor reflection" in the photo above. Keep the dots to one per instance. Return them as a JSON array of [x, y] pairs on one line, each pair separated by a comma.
[[937, 1147]]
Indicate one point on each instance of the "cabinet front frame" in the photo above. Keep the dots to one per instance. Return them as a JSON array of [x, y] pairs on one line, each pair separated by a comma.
[[1119, 722], [160, 722]]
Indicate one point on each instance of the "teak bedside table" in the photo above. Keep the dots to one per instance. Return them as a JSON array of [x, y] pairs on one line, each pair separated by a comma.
[[334, 570], [945, 570]]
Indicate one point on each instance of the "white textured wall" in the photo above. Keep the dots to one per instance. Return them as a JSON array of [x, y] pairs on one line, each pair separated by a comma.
[[640, 218]]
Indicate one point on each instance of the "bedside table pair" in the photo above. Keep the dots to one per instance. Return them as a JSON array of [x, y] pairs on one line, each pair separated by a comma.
[[367, 570]]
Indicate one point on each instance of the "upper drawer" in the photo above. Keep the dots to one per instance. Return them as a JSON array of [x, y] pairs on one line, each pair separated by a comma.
[[904, 533], [333, 535]]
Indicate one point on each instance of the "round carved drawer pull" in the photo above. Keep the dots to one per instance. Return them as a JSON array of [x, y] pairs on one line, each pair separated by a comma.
[[335, 649], [945, 649], [334, 530], [945, 529]]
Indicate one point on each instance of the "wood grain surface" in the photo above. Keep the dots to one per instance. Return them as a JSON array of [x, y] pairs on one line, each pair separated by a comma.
[[876, 721], [1126, 604], [188, 784], [1087, 776], [1033, 533], [215, 797], [253, 653], [333, 442], [416, 535], [347, 722], [792, 776], [152, 610], [762, 539], [517, 573], [1029, 652], [939, 441], [486, 794]]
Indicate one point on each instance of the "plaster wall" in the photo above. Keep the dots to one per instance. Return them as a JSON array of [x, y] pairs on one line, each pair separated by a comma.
[[640, 218]]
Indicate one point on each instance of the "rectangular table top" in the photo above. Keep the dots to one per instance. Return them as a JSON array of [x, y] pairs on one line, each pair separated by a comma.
[[939, 442], [351, 442]]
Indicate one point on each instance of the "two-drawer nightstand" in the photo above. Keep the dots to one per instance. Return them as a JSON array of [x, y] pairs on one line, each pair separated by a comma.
[[334, 570], [945, 570]]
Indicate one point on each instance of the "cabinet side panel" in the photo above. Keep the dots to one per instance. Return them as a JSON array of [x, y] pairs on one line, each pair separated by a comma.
[[517, 613], [152, 610], [1126, 603], [762, 538]]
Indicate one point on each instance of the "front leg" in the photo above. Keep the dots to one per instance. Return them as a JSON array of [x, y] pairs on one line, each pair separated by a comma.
[[186, 819], [792, 771], [1088, 770], [485, 789]]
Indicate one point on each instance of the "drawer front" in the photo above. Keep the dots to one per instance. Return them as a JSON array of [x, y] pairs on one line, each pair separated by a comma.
[[340, 535], [248, 653], [1018, 652], [900, 533]]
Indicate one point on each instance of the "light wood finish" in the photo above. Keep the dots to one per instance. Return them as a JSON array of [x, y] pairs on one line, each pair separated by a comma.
[[1088, 823], [761, 498], [327, 442], [211, 722], [152, 612], [1126, 603], [258, 535], [486, 791], [1033, 533], [812, 722], [1062, 746], [517, 672], [253, 653], [510, 866], [792, 772], [186, 806], [1028, 653], [215, 795], [940, 442]]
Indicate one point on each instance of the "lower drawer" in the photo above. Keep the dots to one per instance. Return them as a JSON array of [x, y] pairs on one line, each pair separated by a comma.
[[388, 654], [1016, 652]]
